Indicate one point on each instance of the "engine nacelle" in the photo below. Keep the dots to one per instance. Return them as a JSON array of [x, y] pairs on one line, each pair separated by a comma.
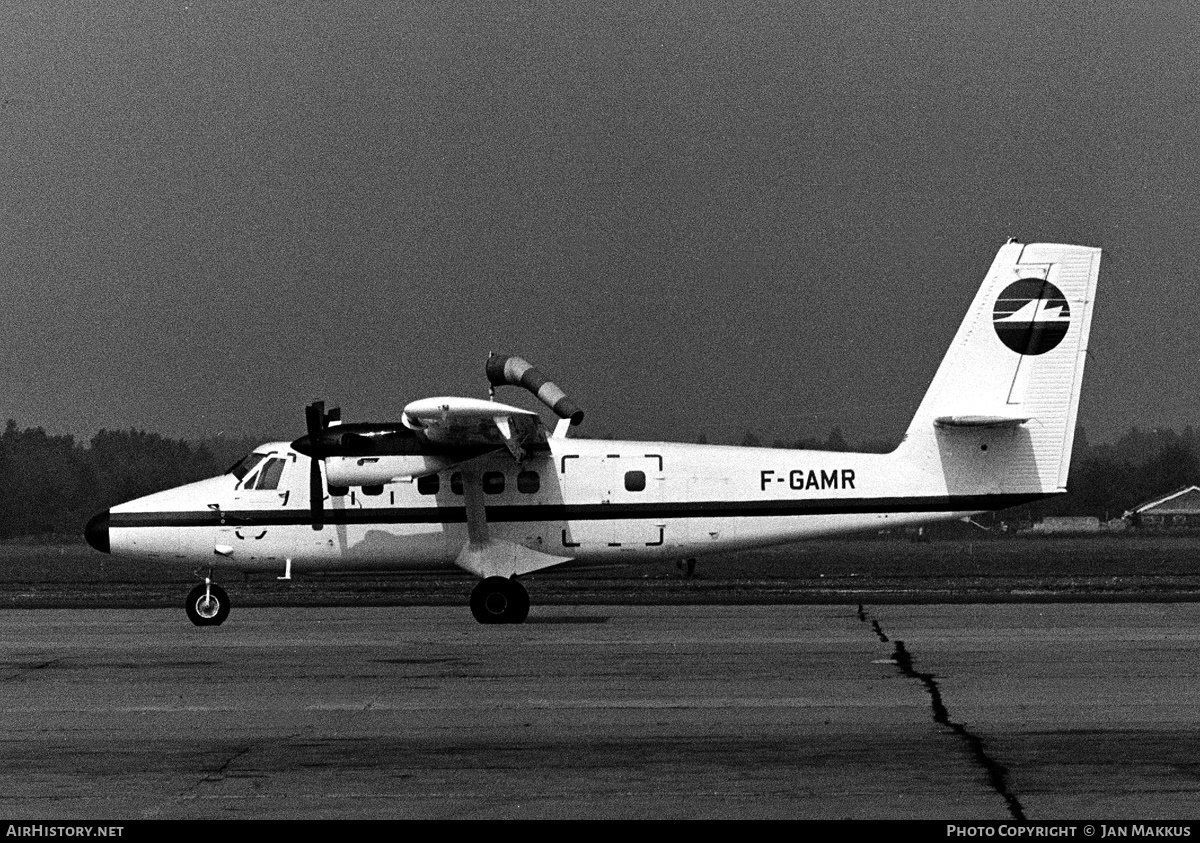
[[375, 471]]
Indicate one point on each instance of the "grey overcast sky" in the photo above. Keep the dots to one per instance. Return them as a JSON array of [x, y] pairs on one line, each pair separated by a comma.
[[696, 217]]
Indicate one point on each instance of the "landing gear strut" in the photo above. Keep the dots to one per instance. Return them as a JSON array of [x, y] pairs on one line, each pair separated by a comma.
[[207, 604], [500, 600]]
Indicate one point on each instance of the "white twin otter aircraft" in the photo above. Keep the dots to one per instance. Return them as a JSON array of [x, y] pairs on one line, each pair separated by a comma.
[[487, 487]]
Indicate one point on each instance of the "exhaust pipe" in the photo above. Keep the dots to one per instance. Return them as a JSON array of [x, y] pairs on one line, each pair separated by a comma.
[[505, 369]]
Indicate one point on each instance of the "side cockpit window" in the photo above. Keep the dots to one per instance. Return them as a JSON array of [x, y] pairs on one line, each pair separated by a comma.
[[245, 465], [268, 478]]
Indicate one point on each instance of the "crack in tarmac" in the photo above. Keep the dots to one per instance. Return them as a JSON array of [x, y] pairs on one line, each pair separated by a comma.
[[219, 774], [191, 793], [997, 773], [23, 669]]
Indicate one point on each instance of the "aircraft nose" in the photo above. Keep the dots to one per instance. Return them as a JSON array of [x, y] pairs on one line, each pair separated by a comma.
[[96, 532]]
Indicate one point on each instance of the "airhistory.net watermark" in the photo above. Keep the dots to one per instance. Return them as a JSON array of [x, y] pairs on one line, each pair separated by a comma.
[[43, 830]]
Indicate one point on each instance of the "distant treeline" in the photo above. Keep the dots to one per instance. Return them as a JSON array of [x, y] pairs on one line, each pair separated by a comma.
[[51, 485], [1108, 480]]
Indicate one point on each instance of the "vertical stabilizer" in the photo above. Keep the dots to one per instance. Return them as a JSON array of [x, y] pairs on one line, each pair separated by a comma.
[[1000, 413]]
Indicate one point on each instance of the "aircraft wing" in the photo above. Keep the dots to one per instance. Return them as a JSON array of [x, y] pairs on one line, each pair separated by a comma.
[[473, 422]]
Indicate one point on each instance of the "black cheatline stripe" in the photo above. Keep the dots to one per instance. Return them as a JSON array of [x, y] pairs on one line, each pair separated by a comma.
[[577, 512]]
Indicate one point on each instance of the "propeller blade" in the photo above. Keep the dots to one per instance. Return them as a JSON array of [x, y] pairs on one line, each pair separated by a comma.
[[314, 418], [316, 494]]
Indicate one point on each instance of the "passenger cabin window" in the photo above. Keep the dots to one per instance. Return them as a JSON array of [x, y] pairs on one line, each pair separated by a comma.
[[528, 482], [245, 465], [429, 484], [493, 482], [635, 481], [456, 483]]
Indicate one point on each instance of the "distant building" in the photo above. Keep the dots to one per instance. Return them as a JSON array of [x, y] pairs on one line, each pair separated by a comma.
[[1179, 510]]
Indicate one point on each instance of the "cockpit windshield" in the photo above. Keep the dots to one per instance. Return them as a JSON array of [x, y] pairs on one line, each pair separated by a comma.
[[245, 465]]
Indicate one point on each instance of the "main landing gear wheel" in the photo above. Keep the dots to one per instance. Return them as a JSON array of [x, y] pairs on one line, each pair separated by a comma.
[[207, 605], [500, 600]]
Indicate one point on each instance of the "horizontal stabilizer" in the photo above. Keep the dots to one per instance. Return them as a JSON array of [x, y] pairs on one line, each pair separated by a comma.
[[504, 559], [980, 421]]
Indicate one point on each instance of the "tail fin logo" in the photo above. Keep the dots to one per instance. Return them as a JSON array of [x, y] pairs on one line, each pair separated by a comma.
[[1031, 316]]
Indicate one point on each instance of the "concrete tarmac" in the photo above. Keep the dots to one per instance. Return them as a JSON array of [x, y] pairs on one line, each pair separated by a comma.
[[1048, 711]]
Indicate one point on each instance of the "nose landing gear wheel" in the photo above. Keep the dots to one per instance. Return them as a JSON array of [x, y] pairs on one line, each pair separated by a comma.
[[207, 605], [500, 600]]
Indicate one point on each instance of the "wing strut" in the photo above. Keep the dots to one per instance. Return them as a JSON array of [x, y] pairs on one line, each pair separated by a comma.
[[487, 557], [477, 525]]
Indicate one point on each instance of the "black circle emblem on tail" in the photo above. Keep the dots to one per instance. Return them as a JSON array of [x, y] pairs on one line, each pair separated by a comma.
[[1031, 316]]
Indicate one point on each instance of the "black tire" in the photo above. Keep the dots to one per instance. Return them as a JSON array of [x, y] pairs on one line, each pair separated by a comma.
[[520, 602], [500, 600], [207, 605]]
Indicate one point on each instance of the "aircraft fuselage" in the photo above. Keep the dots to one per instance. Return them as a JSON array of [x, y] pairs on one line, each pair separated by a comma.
[[587, 500]]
